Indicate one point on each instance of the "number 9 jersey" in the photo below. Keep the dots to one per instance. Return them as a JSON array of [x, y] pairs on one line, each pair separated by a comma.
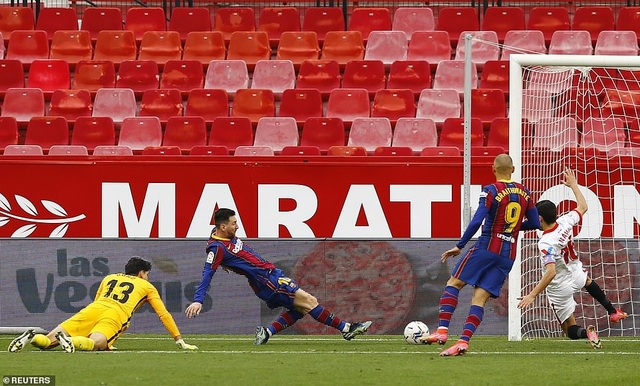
[[118, 297]]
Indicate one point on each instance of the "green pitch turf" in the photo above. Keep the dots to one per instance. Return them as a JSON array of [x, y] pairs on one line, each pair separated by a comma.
[[330, 360]]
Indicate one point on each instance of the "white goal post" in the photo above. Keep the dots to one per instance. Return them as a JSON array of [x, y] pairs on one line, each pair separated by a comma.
[[581, 111]]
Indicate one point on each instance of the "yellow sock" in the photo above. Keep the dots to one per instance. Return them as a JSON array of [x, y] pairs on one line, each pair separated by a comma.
[[40, 341], [82, 343]]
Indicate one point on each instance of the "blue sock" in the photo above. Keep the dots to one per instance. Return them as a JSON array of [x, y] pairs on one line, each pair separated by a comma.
[[286, 319], [448, 304], [326, 317], [473, 321]]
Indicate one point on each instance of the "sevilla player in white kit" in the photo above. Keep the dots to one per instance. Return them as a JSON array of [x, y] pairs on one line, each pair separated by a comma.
[[563, 273]]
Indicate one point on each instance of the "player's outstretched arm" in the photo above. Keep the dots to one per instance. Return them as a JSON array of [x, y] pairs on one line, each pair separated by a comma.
[[569, 180], [193, 310]]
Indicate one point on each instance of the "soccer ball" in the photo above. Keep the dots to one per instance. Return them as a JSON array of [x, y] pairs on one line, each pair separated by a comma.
[[414, 331]]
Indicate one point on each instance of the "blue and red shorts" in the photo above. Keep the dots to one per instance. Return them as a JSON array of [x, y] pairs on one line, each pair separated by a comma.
[[484, 269]]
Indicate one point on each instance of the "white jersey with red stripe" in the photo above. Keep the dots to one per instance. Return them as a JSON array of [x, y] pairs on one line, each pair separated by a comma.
[[556, 246]]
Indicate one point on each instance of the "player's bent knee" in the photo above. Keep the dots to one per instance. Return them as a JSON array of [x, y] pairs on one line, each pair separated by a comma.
[[99, 341]]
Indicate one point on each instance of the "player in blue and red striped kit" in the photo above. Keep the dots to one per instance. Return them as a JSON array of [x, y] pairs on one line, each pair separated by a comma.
[[503, 207], [269, 283]]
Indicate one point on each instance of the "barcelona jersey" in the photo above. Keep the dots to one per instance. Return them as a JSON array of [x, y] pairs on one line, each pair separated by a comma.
[[235, 256], [503, 206]]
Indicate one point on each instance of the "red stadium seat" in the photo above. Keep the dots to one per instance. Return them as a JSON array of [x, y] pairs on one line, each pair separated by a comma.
[[15, 18], [114, 150], [301, 104], [576, 42], [92, 132], [72, 46], [323, 132], [523, 42], [185, 75], [23, 150], [138, 75], [411, 19], [275, 75], [23, 104], [68, 150], [386, 46], [414, 75], [347, 151], [204, 47], [93, 75], [343, 46], [185, 132], [501, 20], [430, 46], [231, 132], [116, 46], [367, 19], [441, 152], [117, 103], [617, 43], [348, 104], [439, 105], [450, 74], [161, 150], [366, 74], [54, 19], [298, 47], [629, 20], [161, 103], [143, 19], [207, 103], [140, 132], [393, 104], [189, 19], [228, 75], [300, 150], [47, 131], [455, 20], [277, 20], [231, 19], [484, 47], [370, 133], [49, 75], [209, 150], [452, 133], [11, 75], [495, 74], [160, 46], [27, 46], [253, 104], [548, 20], [594, 19], [249, 46], [71, 104], [96, 19], [276, 132], [487, 104], [323, 75], [322, 20], [415, 133], [8, 132], [253, 151]]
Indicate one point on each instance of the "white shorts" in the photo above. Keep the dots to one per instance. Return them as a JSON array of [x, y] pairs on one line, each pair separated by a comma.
[[561, 295]]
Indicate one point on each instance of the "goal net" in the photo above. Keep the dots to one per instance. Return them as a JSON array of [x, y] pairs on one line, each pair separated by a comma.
[[582, 112]]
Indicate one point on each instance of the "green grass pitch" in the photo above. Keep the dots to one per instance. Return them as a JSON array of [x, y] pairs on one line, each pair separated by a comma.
[[330, 360]]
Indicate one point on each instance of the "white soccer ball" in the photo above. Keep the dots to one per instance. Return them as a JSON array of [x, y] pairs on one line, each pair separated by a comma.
[[414, 331]]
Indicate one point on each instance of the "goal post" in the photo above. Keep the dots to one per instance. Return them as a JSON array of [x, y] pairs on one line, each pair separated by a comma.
[[580, 111]]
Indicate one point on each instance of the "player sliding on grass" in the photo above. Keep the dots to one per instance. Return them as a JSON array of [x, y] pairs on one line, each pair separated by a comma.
[[98, 325], [563, 272], [503, 206], [269, 283]]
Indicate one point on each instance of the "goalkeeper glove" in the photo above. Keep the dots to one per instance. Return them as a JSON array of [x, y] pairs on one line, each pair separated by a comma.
[[185, 346]]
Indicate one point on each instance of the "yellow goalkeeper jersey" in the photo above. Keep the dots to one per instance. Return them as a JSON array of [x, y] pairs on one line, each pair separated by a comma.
[[127, 293]]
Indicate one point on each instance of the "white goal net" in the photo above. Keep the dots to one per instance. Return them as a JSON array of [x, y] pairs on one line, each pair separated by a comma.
[[582, 112]]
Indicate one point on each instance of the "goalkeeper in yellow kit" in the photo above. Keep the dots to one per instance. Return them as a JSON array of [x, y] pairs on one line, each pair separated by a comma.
[[98, 325]]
